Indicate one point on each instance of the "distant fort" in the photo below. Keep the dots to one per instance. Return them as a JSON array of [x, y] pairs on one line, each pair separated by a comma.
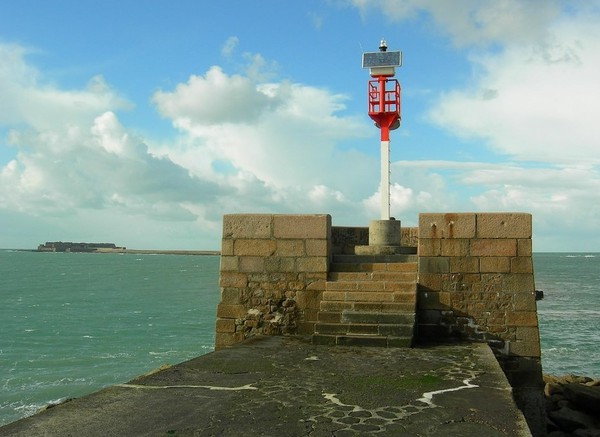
[[60, 246], [66, 246]]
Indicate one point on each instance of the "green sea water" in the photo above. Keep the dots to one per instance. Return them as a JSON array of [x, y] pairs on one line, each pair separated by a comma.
[[569, 314], [73, 323]]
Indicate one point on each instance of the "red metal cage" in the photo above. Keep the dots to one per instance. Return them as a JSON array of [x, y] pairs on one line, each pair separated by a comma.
[[384, 96], [384, 104]]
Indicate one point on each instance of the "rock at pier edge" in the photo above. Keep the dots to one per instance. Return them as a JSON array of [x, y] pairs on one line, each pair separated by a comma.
[[572, 405]]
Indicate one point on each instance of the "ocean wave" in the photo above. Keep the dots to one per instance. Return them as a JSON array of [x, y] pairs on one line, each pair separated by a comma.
[[162, 354], [38, 385], [27, 409], [562, 349], [569, 313], [115, 355]]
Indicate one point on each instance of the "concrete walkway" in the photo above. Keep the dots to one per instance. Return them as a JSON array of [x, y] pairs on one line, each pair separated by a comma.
[[285, 386]]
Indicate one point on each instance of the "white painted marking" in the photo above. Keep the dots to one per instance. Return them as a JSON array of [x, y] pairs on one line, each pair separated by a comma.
[[333, 398], [428, 397]]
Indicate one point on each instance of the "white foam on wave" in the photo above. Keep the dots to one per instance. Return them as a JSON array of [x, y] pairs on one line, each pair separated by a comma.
[[561, 349], [115, 355], [162, 354], [567, 314]]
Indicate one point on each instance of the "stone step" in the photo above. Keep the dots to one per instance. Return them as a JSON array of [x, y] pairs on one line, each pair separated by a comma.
[[363, 276], [394, 330], [369, 296], [406, 318], [370, 286], [361, 306], [366, 317], [362, 340], [329, 317], [373, 267], [378, 250], [369, 300], [374, 259]]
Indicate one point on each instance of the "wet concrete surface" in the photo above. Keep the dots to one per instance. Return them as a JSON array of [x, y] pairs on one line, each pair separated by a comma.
[[285, 386]]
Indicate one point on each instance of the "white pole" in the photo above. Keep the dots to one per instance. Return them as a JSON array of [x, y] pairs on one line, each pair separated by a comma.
[[385, 180]]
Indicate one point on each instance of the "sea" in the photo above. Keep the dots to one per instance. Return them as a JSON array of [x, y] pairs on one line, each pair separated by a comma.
[[72, 323]]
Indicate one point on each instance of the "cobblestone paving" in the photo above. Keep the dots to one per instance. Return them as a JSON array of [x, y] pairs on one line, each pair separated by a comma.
[[340, 393], [454, 371]]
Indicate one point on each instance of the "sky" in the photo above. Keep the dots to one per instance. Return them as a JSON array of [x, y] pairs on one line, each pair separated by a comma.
[[143, 123]]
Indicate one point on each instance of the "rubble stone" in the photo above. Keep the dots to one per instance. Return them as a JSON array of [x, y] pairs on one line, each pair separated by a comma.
[[572, 406]]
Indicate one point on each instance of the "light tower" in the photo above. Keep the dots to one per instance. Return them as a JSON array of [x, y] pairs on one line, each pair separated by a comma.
[[383, 94]]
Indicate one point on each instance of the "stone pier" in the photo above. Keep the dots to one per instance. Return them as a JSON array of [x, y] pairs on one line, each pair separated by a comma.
[[474, 282]]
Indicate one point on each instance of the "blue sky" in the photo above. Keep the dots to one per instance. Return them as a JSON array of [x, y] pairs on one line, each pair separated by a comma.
[[142, 123]]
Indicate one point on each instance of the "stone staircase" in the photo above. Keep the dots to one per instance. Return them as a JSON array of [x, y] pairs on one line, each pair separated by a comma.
[[369, 300]]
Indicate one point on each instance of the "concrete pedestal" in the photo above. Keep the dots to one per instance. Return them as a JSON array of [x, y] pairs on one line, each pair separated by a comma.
[[384, 239], [384, 233]]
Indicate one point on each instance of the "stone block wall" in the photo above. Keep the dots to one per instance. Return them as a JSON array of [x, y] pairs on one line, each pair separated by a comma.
[[272, 274], [409, 237], [475, 276], [476, 282], [344, 238]]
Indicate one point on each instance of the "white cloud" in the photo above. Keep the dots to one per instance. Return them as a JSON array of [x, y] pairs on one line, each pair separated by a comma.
[[253, 66], [534, 102], [563, 199], [213, 98], [97, 168], [469, 22], [400, 199], [316, 20], [27, 100], [323, 195], [417, 191], [283, 134], [259, 69], [229, 46]]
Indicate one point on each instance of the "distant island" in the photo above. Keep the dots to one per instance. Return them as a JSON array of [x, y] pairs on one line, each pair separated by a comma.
[[67, 246]]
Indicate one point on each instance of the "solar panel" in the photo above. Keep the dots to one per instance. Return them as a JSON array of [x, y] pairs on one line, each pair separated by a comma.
[[381, 59]]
